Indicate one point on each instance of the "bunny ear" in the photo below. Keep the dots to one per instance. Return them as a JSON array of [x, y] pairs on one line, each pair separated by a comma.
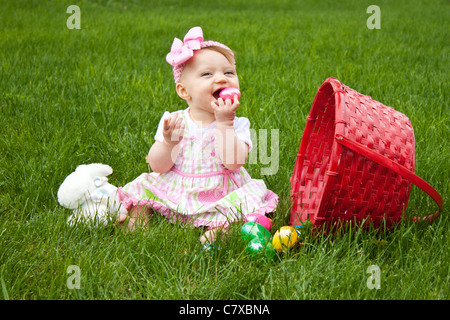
[[79, 183], [95, 169]]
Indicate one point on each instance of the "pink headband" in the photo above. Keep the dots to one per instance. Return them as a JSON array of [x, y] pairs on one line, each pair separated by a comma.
[[182, 51]]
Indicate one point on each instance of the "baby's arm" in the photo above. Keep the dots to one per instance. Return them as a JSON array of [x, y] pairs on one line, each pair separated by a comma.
[[162, 155], [232, 151]]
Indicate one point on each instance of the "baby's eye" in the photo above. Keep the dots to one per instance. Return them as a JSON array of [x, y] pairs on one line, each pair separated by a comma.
[[229, 72], [205, 74]]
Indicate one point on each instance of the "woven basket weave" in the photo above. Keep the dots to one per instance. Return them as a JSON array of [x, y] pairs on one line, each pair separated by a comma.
[[355, 162]]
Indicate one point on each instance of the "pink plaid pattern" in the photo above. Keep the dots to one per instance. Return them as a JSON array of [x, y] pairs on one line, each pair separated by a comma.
[[195, 191]]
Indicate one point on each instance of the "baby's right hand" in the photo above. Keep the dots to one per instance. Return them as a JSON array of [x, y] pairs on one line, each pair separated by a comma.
[[173, 129]]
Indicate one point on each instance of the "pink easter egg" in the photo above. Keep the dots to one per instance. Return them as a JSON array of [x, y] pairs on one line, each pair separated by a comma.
[[259, 218], [229, 93]]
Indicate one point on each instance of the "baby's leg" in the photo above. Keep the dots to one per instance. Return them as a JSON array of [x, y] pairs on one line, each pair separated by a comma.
[[210, 235], [137, 216]]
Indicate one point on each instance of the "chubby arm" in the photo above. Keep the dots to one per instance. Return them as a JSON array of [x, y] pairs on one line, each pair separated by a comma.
[[232, 151], [162, 155]]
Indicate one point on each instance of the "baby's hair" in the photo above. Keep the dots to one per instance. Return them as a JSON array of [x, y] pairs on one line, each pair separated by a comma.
[[225, 52]]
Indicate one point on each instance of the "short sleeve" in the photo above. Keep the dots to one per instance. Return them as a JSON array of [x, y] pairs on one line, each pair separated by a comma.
[[159, 132], [242, 129]]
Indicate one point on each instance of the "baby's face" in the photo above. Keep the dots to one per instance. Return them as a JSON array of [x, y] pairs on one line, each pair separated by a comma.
[[205, 75]]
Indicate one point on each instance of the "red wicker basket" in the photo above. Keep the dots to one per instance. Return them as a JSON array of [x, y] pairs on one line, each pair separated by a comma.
[[355, 162]]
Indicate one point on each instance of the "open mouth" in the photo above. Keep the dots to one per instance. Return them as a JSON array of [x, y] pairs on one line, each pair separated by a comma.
[[216, 93]]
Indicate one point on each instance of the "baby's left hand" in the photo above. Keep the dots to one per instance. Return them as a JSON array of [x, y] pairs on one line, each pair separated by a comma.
[[225, 111]]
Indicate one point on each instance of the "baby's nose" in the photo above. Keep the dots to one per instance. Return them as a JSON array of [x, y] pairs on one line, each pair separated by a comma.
[[220, 78]]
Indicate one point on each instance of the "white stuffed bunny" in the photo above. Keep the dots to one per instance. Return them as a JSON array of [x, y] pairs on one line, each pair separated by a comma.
[[87, 192]]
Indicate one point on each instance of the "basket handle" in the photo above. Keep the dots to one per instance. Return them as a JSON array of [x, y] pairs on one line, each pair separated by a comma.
[[394, 166]]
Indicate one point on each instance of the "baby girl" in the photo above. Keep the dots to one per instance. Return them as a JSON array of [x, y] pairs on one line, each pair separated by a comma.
[[199, 152]]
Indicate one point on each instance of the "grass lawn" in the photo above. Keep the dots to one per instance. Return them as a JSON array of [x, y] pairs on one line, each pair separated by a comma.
[[96, 94]]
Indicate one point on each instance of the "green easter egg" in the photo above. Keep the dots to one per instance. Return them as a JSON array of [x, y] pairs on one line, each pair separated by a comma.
[[251, 230], [255, 246], [259, 247], [270, 251]]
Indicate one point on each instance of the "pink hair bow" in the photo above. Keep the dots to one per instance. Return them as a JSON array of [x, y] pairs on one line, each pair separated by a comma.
[[180, 52]]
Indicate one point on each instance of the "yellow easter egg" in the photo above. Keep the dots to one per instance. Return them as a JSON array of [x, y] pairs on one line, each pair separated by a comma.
[[284, 239]]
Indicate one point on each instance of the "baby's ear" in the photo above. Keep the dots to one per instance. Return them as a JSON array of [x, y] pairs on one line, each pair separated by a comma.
[[182, 92]]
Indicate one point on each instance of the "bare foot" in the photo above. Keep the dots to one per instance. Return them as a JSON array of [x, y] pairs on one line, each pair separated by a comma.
[[136, 217], [210, 235]]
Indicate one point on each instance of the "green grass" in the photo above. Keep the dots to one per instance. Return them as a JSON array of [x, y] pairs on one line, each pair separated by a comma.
[[69, 97]]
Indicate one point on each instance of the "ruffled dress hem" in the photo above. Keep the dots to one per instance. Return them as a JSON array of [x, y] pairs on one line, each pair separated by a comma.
[[128, 202]]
